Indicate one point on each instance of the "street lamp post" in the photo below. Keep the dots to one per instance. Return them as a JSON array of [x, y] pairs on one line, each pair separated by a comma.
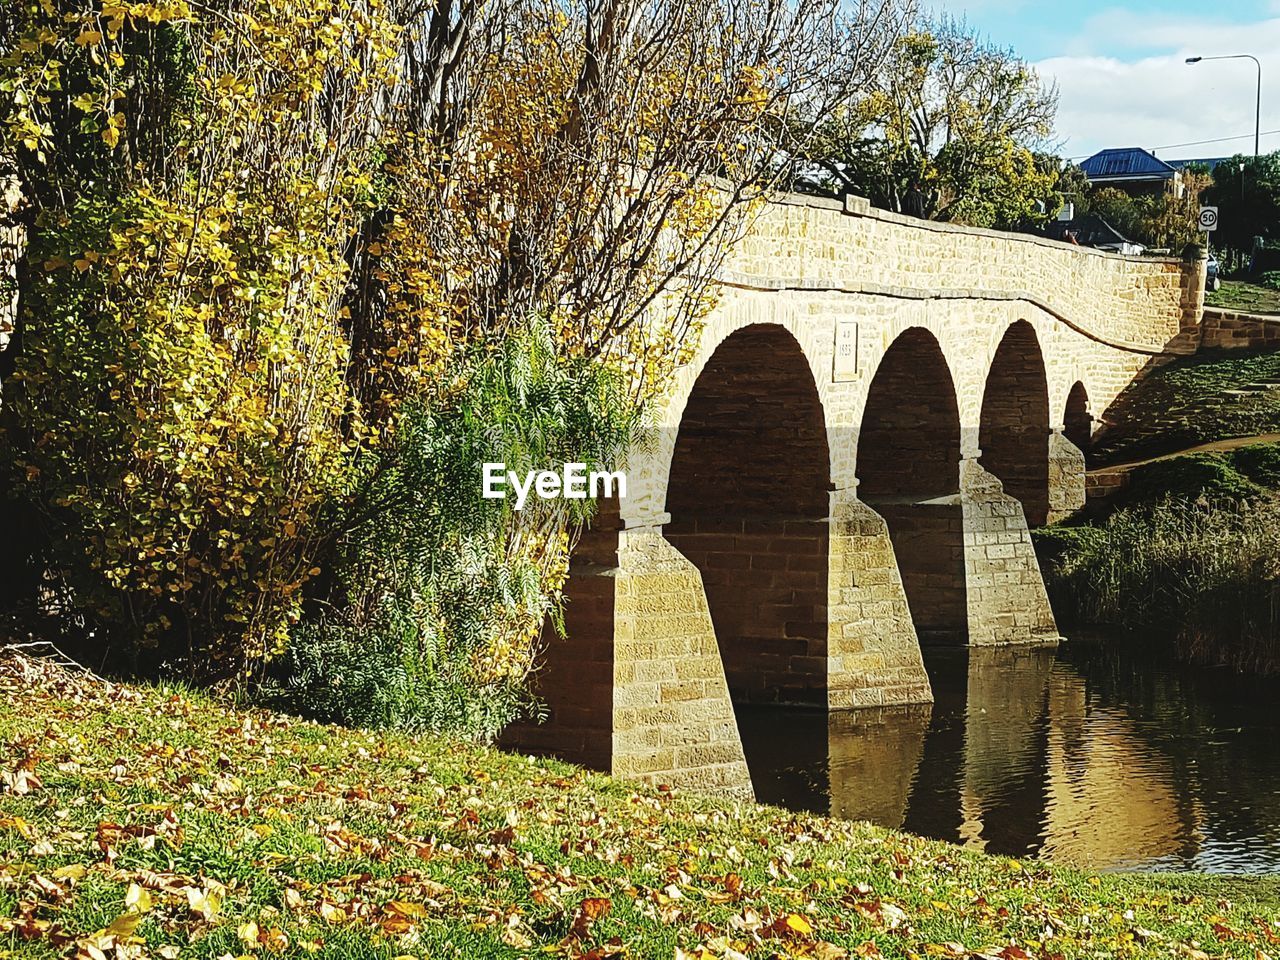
[[1257, 116]]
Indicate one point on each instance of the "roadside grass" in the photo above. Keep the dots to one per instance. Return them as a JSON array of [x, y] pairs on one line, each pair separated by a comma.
[[1188, 402], [141, 822], [1244, 297]]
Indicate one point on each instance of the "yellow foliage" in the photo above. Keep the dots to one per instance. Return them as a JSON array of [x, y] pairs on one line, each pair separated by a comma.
[[248, 264], [198, 424]]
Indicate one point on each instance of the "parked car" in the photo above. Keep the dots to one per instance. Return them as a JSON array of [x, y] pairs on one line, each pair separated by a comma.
[[1211, 281]]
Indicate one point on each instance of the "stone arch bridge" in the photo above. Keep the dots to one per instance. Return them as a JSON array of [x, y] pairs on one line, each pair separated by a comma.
[[879, 410]]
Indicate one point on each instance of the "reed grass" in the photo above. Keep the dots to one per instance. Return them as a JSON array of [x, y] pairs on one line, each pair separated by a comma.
[[1201, 577]]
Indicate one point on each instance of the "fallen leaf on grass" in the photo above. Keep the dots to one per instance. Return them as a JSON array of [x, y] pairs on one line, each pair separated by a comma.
[[137, 899], [19, 782], [799, 924], [204, 903]]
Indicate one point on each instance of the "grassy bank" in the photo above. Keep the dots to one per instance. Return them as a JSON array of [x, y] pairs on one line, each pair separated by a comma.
[[141, 822], [1245, 297], [1193, 400], [1189, 558]]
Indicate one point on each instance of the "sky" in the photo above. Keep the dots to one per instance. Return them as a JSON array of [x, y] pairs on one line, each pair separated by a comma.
[[1121, 77]]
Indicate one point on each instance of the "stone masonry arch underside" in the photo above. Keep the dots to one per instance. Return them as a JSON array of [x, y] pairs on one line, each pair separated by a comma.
[[1013, 431], [748, 495], [909, 473], [876, 408], [1077, 419]]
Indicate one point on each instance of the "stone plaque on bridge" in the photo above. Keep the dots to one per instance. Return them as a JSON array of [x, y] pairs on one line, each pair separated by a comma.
[[846, 362]]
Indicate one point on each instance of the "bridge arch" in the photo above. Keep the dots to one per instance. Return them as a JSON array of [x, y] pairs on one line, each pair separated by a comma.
[[908, 470], [748, 494], [1077, 420], [1013, 431], [912, 529]]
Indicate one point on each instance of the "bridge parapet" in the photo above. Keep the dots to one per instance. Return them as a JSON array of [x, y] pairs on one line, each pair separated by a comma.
[[807, 243]]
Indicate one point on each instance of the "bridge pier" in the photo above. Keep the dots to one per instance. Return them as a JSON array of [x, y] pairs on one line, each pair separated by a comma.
[[637, 687], [1006, 598], [873, 654], [672, 720], [641, 686], [1066, 477]]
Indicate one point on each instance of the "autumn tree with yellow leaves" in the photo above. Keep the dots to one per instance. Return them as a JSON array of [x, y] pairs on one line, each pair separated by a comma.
[[263, 234]]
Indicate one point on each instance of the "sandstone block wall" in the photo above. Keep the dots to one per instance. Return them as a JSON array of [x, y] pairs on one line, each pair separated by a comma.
[[1227, 330], [1066, 478], [673, 721], [576, 679], [766, 584], [1124, 301], [748, 499], [873, 653], [1007, 601]]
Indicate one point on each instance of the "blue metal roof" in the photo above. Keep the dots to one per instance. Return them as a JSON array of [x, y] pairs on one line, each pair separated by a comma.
[[1127, 163]]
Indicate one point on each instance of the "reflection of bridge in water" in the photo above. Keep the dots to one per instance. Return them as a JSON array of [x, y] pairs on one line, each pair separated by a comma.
[[1031, 752]]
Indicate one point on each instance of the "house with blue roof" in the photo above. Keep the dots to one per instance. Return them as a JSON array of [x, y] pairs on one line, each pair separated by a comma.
[[1136, 171]]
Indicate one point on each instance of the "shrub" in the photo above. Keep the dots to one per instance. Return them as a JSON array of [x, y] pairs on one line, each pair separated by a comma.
[[452, 590], [336, 674], [179, 413], [1201, 578], [1054, 541], [1260, 462]]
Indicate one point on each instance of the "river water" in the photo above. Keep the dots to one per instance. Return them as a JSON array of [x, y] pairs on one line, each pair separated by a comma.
[[1112, 761]]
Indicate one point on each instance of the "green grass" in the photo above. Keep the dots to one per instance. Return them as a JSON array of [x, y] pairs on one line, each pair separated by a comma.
[[1244, 297], [1187, 402], [140, 822], [1213, 476], [1245, 473]]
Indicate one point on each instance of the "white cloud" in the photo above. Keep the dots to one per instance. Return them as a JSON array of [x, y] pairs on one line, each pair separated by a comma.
[[1156, 100]]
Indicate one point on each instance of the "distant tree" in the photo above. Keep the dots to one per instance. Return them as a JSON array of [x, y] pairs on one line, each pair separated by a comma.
[[951, 128], [1257, 212], [1118, 209], [1073, 186], [1171, 219], [1166, 220]]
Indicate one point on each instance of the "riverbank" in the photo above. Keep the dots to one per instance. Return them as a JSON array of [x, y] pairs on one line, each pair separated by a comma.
[[146, 822], [1211, 396], [1184, 551], [1194, 576], [1186, 557]]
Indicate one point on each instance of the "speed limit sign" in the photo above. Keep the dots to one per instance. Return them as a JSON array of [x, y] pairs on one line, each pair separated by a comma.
[[1208, 218]]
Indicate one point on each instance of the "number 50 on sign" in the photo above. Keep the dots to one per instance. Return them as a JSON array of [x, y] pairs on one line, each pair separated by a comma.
[[1208, 218]]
